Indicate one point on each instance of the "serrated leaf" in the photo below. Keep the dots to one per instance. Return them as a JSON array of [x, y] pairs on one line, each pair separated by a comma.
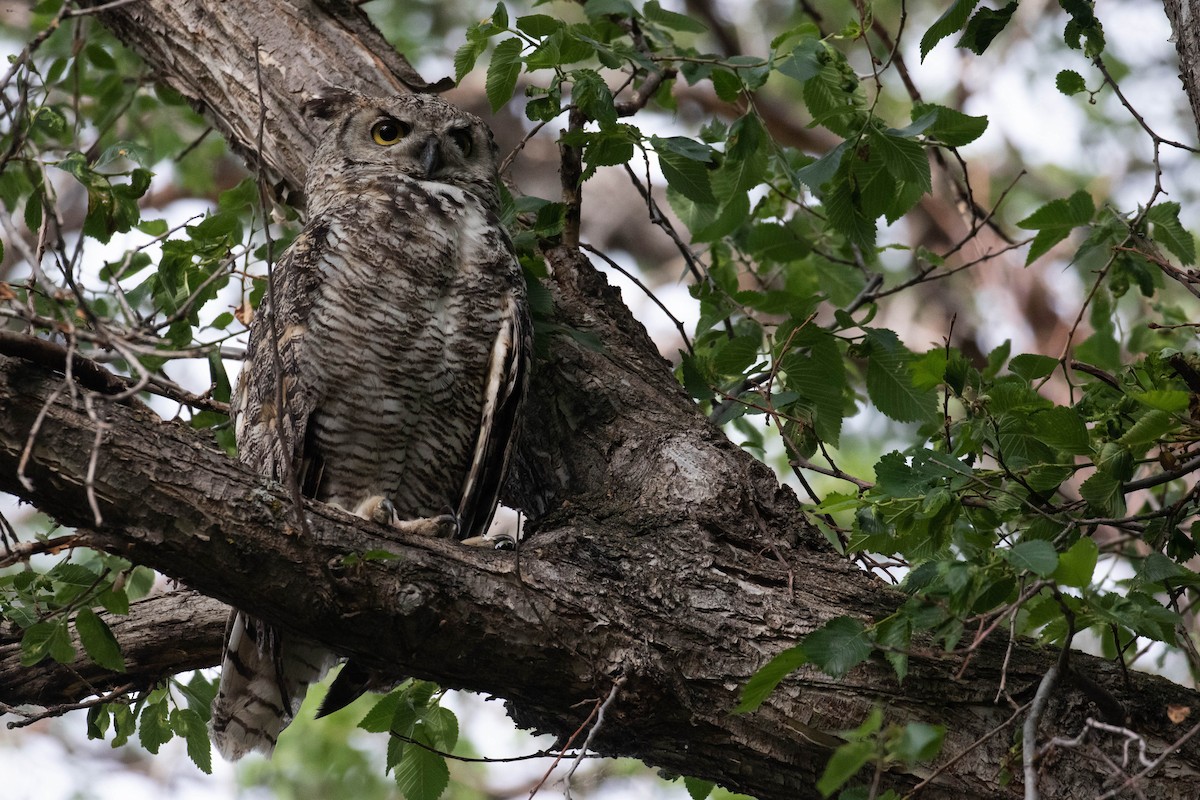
[[1168, 231], [684, 174], [1078, 564], [593, 97], [379, 718], [1069, 82], [98, 640], [441, 726], [1032, 366], [1156, 568], [46, 639], [670, 19], [843, 765], [154, 729], [763, 682], [736, 354], [500, 16], [539, 25], [193, 728], [503, 72], [985, 26], [889, 384], [838, 647], [1055, 220], [919, 741], [466, 56], [698, 789], [949, 126], [950, 22], [1149, 428], [1062, 428], [1173, 401], [1103, 495], [421, 774], [904, 158], [1036, 556]]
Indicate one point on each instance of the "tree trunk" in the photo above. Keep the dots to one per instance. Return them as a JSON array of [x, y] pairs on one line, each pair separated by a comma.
[[664, 566]]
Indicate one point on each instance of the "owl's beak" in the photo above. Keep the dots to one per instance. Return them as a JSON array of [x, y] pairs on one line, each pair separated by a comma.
[[431, 155]]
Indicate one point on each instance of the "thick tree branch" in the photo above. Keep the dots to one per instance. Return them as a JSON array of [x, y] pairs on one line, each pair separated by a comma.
[[661, 554]]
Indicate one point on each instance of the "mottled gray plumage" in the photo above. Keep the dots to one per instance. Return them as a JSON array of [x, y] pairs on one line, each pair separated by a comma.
[[403, 347]]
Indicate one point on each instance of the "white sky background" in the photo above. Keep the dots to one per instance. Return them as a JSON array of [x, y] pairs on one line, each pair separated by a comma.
[[54, 761]]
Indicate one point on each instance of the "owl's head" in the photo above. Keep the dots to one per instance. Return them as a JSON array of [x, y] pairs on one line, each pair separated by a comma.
[[418, 135]]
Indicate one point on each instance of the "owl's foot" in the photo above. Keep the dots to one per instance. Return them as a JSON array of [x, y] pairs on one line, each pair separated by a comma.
[[383, 511], [443, 527]]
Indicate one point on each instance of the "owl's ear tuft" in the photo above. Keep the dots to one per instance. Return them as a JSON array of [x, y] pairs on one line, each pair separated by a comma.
[[330, 102]]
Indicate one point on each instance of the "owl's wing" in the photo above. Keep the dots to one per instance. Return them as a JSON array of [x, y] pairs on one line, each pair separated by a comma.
[[507, 380], [264, 671], [276, 393]]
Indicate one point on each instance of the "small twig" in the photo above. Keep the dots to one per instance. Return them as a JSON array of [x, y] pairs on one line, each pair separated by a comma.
[[1029, 731], [1133, 779], [587, 743], [59, 710]]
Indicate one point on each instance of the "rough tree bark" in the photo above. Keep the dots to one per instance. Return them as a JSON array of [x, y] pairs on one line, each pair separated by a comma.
[[663, 561]]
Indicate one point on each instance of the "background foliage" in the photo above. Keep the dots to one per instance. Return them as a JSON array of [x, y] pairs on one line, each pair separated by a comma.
[[975, 358]]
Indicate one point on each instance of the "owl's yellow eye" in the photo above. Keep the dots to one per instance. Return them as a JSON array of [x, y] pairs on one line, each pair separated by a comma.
[[389, 131]]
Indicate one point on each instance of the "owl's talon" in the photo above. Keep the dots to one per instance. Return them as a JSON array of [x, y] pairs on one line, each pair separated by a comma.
[[378, 509], [500, 541]]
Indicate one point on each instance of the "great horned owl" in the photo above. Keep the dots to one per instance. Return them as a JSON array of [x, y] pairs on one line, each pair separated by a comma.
[[387, 367]]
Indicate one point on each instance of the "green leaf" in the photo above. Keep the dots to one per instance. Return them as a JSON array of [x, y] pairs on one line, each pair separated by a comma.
[[539, 25], [98, 640], [670, 19], [950, 22], [889, 383], [949, 126], [763, 682], [593, 97], [918, 741], [379, 718], [986, 26], [904, 158], [1156, 568], [500, 16], [1032, 366], [503, 72], [683, 164], [838, 647], [1037, 556], [1062, 428], [735, 355], [1055, 221], [745, 157], [194, 730], [805, 61], [1078, 564], [1149, 428], [1167, 230], [1069, 82], [465, 57], [154, 729], [421, 774], [1173, 401], [46, 639], [698, 789], [843, 765], [1103, 494]]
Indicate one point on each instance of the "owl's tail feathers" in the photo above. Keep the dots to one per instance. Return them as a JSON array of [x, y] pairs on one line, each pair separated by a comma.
[[264, 675]]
